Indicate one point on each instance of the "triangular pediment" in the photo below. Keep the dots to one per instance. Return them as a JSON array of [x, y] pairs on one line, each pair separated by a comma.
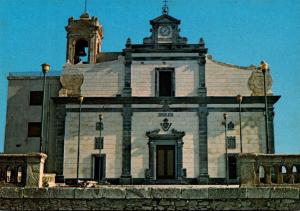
[[165, 18]]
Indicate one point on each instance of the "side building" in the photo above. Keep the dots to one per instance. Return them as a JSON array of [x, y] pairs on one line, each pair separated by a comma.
[[162, 106]]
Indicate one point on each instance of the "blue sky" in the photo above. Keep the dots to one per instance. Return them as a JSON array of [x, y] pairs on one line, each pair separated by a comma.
[[241, 32]]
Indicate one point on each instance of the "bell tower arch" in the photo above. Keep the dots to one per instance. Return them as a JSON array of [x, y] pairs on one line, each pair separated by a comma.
[[84, 39]]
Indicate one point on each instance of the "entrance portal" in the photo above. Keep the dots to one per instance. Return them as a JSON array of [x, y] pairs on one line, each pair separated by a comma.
[[99, 167], [165, 162], [165, 157]]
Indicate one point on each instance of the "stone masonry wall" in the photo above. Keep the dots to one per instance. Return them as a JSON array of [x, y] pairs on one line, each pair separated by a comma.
[[186, 76], [112, 147], [253, 132], [100, 80], [226, 80], [182, 121], [150, 198]]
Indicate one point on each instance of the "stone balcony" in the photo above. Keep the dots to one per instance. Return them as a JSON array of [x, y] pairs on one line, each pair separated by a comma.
[[269, 170], [22, 170]]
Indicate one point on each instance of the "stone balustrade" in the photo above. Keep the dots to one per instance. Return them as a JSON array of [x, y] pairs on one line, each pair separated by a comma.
[[22, 170], [269, 169]]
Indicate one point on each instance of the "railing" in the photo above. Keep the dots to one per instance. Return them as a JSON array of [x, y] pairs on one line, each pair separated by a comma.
[[269, 169], [23, 170]]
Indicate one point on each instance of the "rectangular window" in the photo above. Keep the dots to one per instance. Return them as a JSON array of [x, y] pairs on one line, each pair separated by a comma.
[[231, 142], [36, 98], [34, 129], [165, 82]]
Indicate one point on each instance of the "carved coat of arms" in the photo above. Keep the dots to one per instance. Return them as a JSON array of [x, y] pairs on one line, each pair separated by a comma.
[[165, 125]]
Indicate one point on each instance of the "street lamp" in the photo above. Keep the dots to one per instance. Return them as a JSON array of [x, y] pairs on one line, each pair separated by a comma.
[[45, 70], [100, 147], [239, 99], [80, 98], [264, 68], [226, 146]]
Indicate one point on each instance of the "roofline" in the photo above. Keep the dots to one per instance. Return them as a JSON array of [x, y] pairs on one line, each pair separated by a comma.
[[251, 67]]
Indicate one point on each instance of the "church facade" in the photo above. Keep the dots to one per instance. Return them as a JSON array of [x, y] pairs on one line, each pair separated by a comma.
[[156, 112]]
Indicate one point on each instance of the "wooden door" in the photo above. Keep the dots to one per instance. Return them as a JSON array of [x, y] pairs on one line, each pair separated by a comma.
[[165, 162]]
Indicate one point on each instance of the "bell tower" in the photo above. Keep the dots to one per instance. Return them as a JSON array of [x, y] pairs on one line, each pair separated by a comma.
[[84, 39]]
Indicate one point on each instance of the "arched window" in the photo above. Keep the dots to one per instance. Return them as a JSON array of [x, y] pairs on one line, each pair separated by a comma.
[[8, 174], [81, 52], [284, 174], [262, 174], [19, 175]]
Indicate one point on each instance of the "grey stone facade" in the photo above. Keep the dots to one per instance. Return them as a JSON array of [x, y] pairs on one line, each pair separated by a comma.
[[125, 87]]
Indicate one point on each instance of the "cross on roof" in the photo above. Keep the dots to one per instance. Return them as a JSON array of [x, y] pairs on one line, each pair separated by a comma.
[[165, 9], [85, 3]]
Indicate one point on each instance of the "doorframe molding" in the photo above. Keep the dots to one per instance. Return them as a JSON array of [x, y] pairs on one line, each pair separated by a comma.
[[175, 139]]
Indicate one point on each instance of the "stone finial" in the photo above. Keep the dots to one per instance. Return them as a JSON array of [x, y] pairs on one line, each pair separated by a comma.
[[201, 41], [85, 15], [165, 8], [128, 42], [70, 19]]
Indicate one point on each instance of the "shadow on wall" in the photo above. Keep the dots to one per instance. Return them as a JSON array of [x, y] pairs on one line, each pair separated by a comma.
[[20, 112]]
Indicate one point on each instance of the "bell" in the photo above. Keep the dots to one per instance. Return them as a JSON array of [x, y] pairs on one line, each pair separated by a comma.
[[81, 53]]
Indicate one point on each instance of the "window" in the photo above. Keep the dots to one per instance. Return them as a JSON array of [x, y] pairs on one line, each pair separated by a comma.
[[34, 129], [230, 125], [165, 82], [81, 52], [231, 142], [36, 98]]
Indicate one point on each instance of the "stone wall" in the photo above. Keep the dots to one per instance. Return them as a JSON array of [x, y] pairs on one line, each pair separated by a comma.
[[143, 74], [227, 80], [149, 121], [150, 198], [100, 80], [253, 133], [112, 134], [20, 112]]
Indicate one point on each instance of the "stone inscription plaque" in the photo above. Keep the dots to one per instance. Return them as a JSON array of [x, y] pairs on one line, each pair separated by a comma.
[[165, 114]]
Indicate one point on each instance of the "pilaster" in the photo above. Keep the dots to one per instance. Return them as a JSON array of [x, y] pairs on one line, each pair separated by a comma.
[[126, 145], [152, 149], [203, 156], [126, 177], [60, 134], [128, 61], [271, 131], [202, 91], [179, 145]]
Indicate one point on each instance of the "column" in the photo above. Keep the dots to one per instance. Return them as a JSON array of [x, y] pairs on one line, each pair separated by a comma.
[[203, 156]]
